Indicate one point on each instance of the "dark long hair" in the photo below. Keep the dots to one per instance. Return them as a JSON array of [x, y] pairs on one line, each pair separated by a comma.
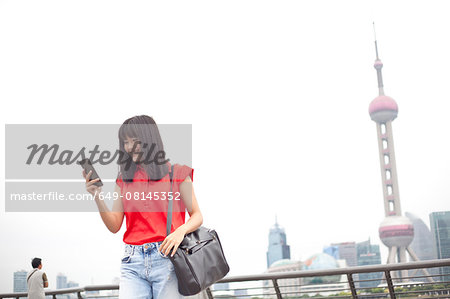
[[143, 128]]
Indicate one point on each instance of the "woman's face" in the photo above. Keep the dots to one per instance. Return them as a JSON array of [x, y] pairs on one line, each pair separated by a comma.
[[132, 147]]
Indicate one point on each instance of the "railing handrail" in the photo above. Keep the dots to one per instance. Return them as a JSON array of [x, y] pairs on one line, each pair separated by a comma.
[[49, 292], [267, 276], [339, 271], [88, 288]]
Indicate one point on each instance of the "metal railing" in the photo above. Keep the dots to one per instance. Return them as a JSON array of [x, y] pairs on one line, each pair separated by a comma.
[[80, 292], [335, 283]]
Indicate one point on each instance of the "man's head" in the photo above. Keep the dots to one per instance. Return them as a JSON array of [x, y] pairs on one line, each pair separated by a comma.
[[36, 263]]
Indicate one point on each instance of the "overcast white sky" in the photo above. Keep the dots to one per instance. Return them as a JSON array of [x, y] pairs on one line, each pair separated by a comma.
[[277, 93]]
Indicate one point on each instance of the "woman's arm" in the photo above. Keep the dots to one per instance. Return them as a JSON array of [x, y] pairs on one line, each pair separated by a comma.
[[172, 241], [190, 201], [112, 219]]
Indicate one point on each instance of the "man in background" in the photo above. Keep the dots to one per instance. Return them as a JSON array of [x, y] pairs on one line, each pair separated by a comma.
[[36, 280]]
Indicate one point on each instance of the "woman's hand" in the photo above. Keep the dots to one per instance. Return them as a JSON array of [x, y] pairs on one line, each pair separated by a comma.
[[172, 241], [90, 187]]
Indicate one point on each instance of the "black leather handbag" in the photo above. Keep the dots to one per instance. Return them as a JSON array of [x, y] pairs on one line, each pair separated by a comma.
[[199, 260]]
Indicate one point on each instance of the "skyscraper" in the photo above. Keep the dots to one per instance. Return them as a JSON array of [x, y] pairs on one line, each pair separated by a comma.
[[396, 231], [20, 281], [422, 244], [440, 228], [368, 254], [278, 248], [61, 281], [347, 252], [344, 251], [72, 284]]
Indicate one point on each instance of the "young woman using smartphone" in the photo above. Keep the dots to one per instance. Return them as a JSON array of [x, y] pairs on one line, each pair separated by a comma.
[[143, 188]]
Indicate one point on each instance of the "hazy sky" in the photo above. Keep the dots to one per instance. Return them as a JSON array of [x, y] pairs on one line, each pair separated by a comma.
[[277, 93]]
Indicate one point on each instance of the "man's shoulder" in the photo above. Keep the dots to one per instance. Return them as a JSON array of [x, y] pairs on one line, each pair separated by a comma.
[[40, 272], [32, 273]]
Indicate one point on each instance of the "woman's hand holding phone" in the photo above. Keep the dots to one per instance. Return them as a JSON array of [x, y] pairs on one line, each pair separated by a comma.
[[90, 187]]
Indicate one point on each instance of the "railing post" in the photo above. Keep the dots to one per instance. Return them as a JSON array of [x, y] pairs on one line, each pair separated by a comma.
[[351, 283], [54, 296], [208, 292], [277, 288], [79, 295], [389, 283]]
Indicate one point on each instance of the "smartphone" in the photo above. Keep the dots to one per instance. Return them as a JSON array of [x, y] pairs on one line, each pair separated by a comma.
[[87, 166]]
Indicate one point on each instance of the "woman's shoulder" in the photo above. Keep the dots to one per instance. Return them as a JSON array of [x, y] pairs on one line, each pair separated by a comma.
[[181, 171], [178, 166]]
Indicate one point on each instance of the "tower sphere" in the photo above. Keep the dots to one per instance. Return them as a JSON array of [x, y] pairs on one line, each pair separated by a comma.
[[383, 109], [396, 231], [378, 64]]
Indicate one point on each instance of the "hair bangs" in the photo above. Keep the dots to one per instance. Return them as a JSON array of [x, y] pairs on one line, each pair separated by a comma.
[[128, 130]]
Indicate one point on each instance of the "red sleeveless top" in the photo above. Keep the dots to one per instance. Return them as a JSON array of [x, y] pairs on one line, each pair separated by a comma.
[[145, 205]]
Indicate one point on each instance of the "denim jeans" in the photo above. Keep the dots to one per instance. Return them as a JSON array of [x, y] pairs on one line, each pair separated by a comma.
[[145, 273]]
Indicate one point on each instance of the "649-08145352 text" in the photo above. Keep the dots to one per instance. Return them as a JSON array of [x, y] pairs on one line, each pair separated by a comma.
[[51, 196]]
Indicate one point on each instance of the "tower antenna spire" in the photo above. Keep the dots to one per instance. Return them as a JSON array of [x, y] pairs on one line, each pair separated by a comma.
[[375, 36], [378, 65]]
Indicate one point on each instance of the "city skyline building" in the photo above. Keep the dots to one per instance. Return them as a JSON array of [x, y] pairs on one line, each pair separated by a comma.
[[440, 228], [396, 231], [346, 251], [61, 281], [20, 281], [358, 254], [72, 284], [422, 244], [324, 285], [291, 285], [278, 248], [368, 254]]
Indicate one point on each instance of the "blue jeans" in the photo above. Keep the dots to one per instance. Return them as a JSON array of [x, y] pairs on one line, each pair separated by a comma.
[[145, 273]]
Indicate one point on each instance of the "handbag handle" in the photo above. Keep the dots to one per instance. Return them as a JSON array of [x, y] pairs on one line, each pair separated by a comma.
[[169, 212]]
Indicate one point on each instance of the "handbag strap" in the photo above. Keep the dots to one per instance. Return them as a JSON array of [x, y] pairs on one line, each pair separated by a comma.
[[169, 211]]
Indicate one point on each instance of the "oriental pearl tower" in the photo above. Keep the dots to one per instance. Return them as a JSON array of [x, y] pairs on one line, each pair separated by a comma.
[[396, 231]]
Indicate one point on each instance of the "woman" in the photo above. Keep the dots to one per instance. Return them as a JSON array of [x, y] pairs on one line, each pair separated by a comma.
[[146, 270]]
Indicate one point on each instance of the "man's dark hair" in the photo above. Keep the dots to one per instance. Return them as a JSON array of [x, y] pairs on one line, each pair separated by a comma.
[[36, 262]]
